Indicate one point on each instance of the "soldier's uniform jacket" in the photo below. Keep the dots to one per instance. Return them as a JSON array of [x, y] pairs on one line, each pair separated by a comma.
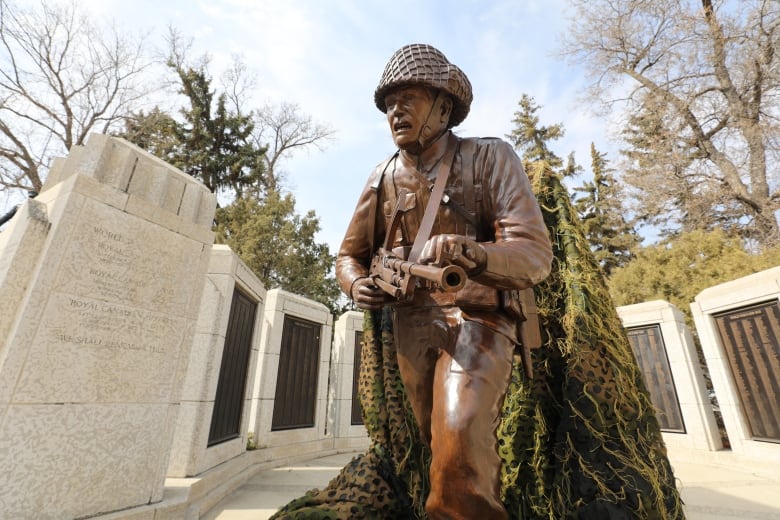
[[488, 198]]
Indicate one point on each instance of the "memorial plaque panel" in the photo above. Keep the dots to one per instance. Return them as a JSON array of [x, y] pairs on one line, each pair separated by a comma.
[[648, 345], [295, 400], [751, 338], [356, 416]]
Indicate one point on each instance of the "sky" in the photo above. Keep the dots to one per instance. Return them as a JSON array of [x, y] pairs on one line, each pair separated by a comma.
[[327, 57]]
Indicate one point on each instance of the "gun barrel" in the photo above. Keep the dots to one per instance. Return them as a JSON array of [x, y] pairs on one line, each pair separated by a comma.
[[450, 278]]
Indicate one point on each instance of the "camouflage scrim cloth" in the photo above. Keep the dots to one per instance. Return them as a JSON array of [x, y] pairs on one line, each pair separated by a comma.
[[579, 441]]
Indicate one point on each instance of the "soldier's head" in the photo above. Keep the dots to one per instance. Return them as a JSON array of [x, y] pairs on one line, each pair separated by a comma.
[[423, 95]]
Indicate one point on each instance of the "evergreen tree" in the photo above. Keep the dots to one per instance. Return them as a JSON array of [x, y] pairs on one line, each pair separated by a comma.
[[612, 238], [209, 142], [217, 145], [532, 140], [156, 132], [678, 269], [279, 246]]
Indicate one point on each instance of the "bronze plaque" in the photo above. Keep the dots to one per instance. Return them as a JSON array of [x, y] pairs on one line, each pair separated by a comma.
[[751, 339], [231, 385], [295, 401], [357, 416], [650, 351]]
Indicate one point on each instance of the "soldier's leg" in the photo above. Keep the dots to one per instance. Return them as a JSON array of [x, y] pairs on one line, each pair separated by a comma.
[[419, 334], [471, 380]]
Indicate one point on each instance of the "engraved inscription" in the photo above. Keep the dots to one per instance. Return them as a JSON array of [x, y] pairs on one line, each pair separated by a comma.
[[124, 259], [119, 311], [98, 324]]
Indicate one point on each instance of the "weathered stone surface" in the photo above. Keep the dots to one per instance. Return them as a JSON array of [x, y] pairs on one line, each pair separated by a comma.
[[191, 454], [97, 336], [346, 434]]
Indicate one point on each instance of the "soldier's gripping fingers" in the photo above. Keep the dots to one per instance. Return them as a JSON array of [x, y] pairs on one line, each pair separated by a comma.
[[476, 255], [454, 249], [368, 296], [435, 251]]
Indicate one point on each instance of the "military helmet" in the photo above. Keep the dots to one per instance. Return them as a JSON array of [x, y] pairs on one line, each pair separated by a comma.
[[420, 64]]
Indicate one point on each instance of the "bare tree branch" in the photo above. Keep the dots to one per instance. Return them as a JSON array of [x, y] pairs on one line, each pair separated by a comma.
[[704, 85], [61, 78], [284, 129]]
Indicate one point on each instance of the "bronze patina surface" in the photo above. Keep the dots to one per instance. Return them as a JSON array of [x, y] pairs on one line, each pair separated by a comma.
[[459, 430]]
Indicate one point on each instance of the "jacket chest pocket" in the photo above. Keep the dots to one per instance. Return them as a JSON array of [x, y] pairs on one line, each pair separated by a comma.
[[401, 210]]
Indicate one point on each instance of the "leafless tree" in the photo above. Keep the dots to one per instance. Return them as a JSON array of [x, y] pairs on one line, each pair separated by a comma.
[[703, 79], [61, 78], [284, 129]]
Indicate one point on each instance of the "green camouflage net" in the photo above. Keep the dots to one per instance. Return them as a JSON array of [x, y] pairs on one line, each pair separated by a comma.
[[579, 441]]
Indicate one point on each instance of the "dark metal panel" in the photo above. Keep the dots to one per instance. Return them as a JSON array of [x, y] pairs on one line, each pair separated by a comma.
[[295, 400], [231, 385], [648, 345], [357, 415], [751, 339]]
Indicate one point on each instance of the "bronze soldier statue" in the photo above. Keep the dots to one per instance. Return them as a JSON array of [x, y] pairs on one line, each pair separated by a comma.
[[463, 206]]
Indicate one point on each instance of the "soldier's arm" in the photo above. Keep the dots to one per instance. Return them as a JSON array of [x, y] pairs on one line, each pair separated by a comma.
[[521, 254]]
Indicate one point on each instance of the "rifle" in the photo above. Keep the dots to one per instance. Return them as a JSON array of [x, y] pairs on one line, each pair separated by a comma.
[[398, 277]]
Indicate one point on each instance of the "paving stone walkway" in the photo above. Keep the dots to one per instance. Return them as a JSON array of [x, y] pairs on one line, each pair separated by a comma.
[[710, 491]]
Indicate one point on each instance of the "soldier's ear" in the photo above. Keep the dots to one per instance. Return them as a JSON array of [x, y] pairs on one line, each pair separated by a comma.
[[446, 109]]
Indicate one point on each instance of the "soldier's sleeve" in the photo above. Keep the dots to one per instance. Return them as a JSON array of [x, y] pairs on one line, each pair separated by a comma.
[[362, 237], [521, 254]]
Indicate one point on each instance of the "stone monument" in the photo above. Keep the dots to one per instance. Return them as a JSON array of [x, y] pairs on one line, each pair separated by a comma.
[[100, 284]]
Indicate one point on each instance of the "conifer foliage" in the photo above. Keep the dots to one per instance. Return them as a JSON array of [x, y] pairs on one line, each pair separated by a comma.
[[600, 206], [217, 140]]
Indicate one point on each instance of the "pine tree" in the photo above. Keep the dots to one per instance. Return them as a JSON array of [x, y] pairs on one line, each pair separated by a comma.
[[279, 245], [209, 142], [217, 147], [156, 132], [260, 224], [532, 140], [612, 238]]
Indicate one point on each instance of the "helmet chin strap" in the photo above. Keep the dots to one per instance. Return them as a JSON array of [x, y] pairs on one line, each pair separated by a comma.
[[426, 137]]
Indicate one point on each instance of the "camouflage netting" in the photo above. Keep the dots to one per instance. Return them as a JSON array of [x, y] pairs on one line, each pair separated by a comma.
[[579, 441]]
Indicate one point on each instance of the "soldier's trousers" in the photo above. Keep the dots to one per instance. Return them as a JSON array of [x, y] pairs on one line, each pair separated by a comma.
[[456, 372]]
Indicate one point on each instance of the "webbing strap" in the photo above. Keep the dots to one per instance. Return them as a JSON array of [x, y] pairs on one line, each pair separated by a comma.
[[432, 209]]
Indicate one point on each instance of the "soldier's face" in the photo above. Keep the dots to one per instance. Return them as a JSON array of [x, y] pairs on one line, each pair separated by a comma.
[[408, 109]]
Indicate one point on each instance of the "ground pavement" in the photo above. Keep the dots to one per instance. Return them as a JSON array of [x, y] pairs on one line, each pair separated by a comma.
[[722, 491]]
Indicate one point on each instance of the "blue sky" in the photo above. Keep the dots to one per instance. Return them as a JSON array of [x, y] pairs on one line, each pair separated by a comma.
[[327, 57]]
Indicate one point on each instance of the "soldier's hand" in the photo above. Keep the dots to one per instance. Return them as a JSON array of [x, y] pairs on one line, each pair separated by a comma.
[[368, 296], [454, 249]]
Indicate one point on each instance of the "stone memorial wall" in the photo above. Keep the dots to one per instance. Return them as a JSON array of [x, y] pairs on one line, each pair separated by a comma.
[[349, 432], [685, 386], [294, 355], [115, 311], [739, 328], [101, 277], [192, 452]]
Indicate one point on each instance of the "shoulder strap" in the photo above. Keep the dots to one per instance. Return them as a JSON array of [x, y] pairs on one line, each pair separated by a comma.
[[375, 185], [432, 208]]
